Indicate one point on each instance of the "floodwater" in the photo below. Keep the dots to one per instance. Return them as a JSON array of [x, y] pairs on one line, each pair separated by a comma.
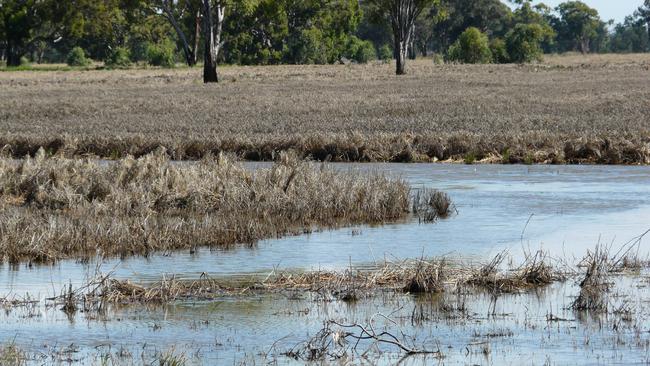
[[565, 210]]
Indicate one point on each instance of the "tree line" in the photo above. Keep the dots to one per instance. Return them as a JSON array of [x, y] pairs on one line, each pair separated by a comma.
[[260, 32]]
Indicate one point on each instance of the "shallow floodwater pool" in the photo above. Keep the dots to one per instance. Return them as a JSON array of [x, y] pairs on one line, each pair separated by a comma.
[[565, 210]]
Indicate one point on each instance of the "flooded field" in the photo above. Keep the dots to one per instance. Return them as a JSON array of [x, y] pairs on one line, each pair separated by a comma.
[[564, 210]]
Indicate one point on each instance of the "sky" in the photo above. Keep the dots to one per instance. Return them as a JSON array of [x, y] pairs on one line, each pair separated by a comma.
[[608, 9]]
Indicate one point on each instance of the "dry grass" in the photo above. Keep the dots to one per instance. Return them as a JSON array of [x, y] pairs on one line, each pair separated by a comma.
[[431, 204], [410, 276], [52, 208], [569, 110], [595, 285], [534, 272]]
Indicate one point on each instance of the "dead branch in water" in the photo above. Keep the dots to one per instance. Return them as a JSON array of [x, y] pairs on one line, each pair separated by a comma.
[[336, 340]]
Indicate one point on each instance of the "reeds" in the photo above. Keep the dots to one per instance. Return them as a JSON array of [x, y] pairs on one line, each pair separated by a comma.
[[431, 204], [536, 271], [409, 276], [595, 285], [54, 208]]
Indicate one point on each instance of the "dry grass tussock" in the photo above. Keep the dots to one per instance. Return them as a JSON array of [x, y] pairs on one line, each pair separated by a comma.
[[536, 271], [564, 111], [52, 208], [409, 276]]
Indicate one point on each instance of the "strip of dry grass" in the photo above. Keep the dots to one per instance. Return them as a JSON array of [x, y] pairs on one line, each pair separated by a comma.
[[564, 111], [409, 276], [54, 208]]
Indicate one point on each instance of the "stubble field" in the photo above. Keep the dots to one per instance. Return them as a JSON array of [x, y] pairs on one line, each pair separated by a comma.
[[571, 109]]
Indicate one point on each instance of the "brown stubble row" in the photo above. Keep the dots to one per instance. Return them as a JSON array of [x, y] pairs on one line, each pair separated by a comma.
[[559, 112], [54, 208]]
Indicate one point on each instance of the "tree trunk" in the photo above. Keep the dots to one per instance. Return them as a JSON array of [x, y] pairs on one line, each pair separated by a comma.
[[400, 57], [412, 51], [189, 53], [403, 14], [197, 37], [584, 46], [13, 58], [212, 39]]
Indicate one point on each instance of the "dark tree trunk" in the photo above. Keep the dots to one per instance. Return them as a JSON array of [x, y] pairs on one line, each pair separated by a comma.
[[400, 57], [167, 8], [13, 57]]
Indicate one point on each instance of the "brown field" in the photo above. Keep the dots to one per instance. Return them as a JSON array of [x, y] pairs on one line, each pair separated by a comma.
[[571, 109]]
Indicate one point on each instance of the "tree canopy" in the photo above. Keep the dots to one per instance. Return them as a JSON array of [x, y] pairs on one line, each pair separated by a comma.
[[162, 32]]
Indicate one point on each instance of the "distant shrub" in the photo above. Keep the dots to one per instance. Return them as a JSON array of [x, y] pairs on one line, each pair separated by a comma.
[[523, 43], [161, 54], [385, 53], [471, 47], [499, 51], [438, 59], [118, 58], [24, 61], [77, 57], [308, 47], [359, 50]]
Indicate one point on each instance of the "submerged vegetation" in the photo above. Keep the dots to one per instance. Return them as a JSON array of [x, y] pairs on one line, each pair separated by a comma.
[[56, 207]]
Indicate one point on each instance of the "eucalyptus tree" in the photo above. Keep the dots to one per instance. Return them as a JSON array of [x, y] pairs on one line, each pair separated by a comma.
[[178, 13], [402, 15], [644, 14], [578, 24]]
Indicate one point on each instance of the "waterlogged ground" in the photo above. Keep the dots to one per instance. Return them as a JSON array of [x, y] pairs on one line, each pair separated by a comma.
[[563, 209]]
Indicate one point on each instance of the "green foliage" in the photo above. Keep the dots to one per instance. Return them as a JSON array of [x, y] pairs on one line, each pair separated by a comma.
[[499, 51], [162, 54], [524, 43], [578, 25], [256, 32], [469, 158], [360, 51], [24, 61], [77, 57], [385, 53], [472, 47], [308, 47], [492, 16], [630, 36], [118, 58]]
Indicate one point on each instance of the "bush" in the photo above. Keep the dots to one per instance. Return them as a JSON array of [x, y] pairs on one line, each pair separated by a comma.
[[471, 47], [438, 59], [77, 57], [118, 58], [523, 43], [161, 54], [24, 61], [385, 53], [308, 47], [499, 51], [359, 51]]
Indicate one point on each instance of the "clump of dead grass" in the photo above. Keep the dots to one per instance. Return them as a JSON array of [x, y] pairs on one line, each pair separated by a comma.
[[431, 204], [56, 207], [595, 285], [536, 271]]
